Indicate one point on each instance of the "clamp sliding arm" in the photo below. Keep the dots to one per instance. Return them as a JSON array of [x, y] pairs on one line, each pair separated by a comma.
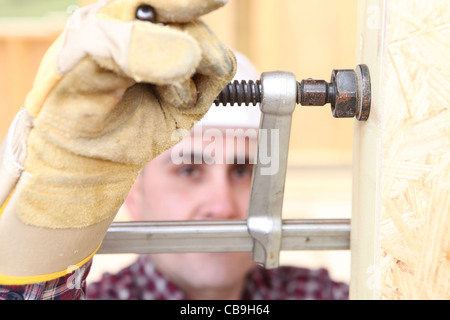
[[266, 197]]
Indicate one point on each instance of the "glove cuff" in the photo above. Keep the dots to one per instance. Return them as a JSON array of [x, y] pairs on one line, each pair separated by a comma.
[[19, 281]]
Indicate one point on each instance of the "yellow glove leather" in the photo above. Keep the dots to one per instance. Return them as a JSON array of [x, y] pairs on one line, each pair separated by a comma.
[[106, 99]]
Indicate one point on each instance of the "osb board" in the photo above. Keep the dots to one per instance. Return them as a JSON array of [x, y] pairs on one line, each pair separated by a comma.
[[415, 216], [412, 134]]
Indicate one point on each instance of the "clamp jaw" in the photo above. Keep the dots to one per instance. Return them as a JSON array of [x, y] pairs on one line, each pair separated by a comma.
[[349, 94]]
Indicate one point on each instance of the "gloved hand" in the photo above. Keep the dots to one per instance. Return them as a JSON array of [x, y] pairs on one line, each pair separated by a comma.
[[108, 95]]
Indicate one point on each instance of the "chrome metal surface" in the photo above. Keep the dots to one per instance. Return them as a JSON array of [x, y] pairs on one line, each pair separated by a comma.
[[220, 236]]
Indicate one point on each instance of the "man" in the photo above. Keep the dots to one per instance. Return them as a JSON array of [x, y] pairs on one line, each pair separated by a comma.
[[207, 176]]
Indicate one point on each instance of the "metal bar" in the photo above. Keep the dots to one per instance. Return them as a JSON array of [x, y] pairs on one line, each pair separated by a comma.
[[220, 236]]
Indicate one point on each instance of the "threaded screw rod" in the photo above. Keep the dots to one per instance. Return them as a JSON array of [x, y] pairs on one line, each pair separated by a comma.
[[241, 93]]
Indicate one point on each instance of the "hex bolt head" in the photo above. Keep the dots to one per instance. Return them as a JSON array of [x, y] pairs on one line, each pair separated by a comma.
[[344, 104]]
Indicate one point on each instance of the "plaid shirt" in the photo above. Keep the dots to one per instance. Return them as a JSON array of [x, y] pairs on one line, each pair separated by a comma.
[[70, 287], [142, 281]]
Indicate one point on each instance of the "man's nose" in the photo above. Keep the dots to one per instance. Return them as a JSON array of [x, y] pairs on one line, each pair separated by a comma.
[[222, 202]]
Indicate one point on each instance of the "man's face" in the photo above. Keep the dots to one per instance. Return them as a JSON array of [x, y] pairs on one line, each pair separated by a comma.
[[178, 186]]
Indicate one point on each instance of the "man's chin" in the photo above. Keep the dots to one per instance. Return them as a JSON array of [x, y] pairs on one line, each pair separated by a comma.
[[207, 267]]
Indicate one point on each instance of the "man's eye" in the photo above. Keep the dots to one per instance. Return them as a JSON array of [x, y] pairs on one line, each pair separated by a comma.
[[243, 170], [146, 13], [189, 171]]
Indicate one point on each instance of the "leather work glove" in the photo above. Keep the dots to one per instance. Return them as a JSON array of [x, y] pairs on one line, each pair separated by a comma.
[[110, 91]]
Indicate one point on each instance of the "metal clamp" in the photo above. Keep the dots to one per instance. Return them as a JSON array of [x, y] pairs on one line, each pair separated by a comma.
[[349, 94]]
